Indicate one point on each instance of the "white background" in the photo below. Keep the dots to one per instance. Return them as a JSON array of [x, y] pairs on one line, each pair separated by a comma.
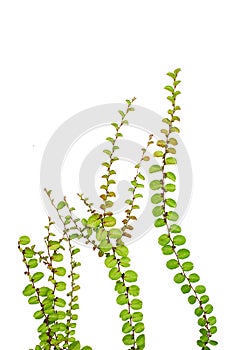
[[60, 57]]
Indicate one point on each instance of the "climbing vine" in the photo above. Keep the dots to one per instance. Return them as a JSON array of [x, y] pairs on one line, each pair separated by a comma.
[[54, 289]]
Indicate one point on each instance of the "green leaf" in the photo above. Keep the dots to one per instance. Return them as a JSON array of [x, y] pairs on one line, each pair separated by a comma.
[[94, 220], [60, 286], [24, 240], [169, 88], [137, 316], [110, 139], [107, 151], [125, 261], [61, 205], [125, 315], [198, 311], [130, 276], [179, 240], [156, 198], [154, 168], [122, 299], [159, 222], [121, 113], [127, 328], [192, 299], [32, 263], [157, 211], [60, 271], [38, 314], [44, 291], [179, 278], [185, 288], [213, 342], [171, 176], [74, 346], [140, 341], [155, 185], [110, 261], [208, 308], [101, 234], [200, 289], [128, 339], [28, 253], [187, 266], [136, 304], [204, 299], [172, 75], [183, 253], [54, 245], [115, 233], [134, 290], [172, 216], [166, 121], [167, 250], [33, 300], [37, 276], [212, 320], [177, 70], [172, 264], [139, 327], [173, 141], [163, 240], [158, 154], [109, 221], [162, 143], [60, 302], [201, 322], [57, 257], [170, 160], [194, 277], [175, 129], [171, 202], [170, 187], [122, 250], [114, 273], [175, 228]]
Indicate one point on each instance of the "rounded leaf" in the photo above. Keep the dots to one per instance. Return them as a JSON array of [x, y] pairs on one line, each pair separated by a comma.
[[125, 315], [130, 276], [128, 339], [154, 168], [37, 276], [171, 202], [163, 240], [122, 250], [109, 221], [157, 198], [137, 316], [183, 253], [187, 266], [172, 216], [136, 304], [179, 278], [172, 264], [158, 211], [114, 273], [179, 240], [24, 240], [159, 222], [200, 289], [155, 185], [167, 250], [122, 299], [139, 327]]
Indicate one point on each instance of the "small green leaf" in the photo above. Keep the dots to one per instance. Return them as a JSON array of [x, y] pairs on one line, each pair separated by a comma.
[[173, 141], [122, 299], [33, 300], [137, 316], [140, 341], [60, 271], [130, 276], [193, 277], [172, 264], [169, 88], [163, 240], [157, 211], [60, 286], [38, 314], [159, 222], [192, 299], [208, 308], [125, 315], [179, 278], [37, 276], [154, 168], [156, 198], [110, 261], [200, 289], [127, 328], [61, 205], [212, 320], [128, 339], [183, 253], [171, 202], [94, 220], [161, 143], [155, 185], [139, 327], [198, 311], [24, 240], [170, 176], [134, 290], [158, 154], [114, 273], [175, 228], [120, 287], [122, 250], [115, 233], [167, 250], [74, 346], [136, 304], [101, 234], [185, 288], [187, 266], [32, 263], [107, 151], [204, 299], [170, 160], [60, 302], [172, 216], [179, 240], [170, 187], [109, 221], [57, 257]]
